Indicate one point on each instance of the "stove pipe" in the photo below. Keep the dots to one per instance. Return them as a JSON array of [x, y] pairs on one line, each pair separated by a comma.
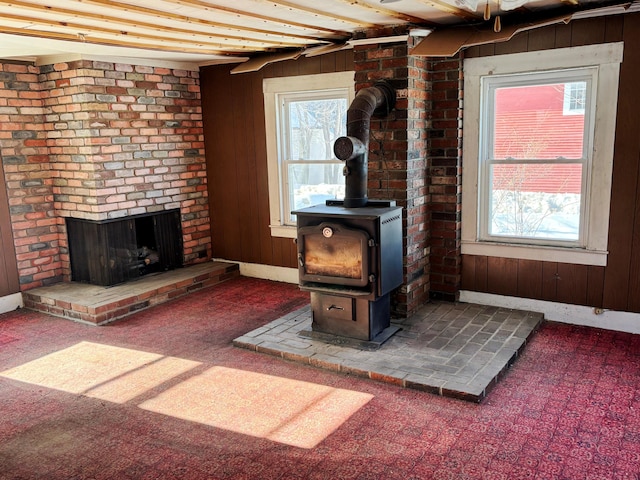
[[354, 148]]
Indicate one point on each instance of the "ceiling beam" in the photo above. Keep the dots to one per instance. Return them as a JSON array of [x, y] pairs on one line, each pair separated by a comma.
[[245, 44], [319, 13], [389, 13], [128, 23], [110, 42], [147, 11], [448, 8]]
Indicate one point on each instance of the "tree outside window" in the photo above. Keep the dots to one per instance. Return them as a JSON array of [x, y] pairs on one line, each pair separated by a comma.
[[310, 172], [536, 161], [304, 115]]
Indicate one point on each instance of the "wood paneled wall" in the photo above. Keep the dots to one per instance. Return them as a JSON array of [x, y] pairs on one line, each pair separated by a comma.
[[235, 147], [8, 267], [616, 286]]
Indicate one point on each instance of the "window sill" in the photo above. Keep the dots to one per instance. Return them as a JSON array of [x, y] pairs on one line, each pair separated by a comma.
[[536, 252], [286, 231]]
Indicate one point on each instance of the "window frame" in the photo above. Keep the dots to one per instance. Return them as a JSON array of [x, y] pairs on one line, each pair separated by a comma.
[[274, 89], [592, 246], [490, 84]]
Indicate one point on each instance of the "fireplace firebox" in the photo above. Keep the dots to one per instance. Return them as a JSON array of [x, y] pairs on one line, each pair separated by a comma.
[[115, 251]]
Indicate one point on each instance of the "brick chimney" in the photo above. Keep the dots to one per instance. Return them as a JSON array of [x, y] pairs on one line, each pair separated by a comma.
[[415, 159]]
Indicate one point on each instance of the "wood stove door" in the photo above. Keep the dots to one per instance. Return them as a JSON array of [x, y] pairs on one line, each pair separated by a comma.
[[333, 254]]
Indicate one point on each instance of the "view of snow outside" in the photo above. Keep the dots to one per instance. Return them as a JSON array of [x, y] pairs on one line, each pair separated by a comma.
[[314, 175], [330, 184], [554, 216], [530, 196]]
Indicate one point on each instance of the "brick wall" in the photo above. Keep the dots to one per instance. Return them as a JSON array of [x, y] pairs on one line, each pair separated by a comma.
[[99, 140], [24, 152], [397, 158], [445, 176]]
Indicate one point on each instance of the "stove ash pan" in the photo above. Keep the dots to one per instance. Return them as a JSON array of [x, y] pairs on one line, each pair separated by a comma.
[[350, 251]]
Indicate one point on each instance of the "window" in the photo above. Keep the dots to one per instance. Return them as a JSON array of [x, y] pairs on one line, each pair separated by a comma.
[[303, 117], [537, 172], [574, 98], [534, 160]]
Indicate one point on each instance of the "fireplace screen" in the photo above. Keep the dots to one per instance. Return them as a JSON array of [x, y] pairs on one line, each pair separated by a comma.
[[115, 251], [333, 254]]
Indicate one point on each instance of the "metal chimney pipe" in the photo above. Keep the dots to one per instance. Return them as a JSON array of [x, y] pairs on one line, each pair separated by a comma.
[[354, 148]]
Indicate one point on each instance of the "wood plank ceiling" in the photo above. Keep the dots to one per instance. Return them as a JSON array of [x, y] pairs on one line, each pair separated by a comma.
[[216, 31]]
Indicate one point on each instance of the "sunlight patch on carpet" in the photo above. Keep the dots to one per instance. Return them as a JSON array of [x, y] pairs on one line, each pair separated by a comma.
[[288, 411], [101, 371], [292, 412]]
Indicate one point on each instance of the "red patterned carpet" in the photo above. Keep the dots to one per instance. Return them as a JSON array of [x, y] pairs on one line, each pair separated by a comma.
[[164, 395]]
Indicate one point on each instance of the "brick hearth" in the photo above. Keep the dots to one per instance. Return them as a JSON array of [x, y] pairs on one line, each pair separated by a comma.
[[99, 305]]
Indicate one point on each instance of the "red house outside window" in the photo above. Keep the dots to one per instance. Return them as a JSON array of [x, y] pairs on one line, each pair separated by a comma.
[[536, 160]]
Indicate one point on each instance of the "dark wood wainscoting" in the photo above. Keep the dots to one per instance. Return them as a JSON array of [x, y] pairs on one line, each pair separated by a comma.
[[235, 146], [551, 281], [8, 266]]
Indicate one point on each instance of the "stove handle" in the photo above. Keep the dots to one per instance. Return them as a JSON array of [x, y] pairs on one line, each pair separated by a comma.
[[300, 260]]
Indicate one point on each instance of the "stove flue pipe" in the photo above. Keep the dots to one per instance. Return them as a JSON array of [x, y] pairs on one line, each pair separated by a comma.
[[354, 148]]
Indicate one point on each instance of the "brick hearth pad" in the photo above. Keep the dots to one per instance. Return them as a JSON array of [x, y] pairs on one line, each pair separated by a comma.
[[453, 350]]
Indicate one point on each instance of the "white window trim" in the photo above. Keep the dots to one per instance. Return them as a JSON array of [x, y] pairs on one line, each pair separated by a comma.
[[607, 57], [271, 87]]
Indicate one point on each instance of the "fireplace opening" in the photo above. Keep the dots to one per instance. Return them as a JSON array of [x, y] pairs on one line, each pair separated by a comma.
[[115, 251], [148, 257]]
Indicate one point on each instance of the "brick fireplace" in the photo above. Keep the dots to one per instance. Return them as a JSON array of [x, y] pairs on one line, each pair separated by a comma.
[[99, 141]]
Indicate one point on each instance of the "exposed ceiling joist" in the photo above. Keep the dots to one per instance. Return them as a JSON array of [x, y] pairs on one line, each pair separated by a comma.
[[451, 9], [295, 8], [219, 31], [103, 41], [177, 25], [127, 7], [192, 38], [402, 17]]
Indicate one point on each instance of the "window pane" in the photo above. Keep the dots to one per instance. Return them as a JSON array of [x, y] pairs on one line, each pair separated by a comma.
[[535, 201], [575, 98], [313, 127], [530, 121], [312, 184]]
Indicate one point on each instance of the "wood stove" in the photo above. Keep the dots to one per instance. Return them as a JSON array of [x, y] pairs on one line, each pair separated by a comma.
[[350, 251], [350, 259]]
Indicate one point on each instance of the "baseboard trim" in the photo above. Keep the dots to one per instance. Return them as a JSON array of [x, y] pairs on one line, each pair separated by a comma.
[[561, 312], [266, 272], [8, 303]]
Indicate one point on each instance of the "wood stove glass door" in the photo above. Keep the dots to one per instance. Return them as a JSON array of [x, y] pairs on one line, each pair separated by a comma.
[[333, 254]]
